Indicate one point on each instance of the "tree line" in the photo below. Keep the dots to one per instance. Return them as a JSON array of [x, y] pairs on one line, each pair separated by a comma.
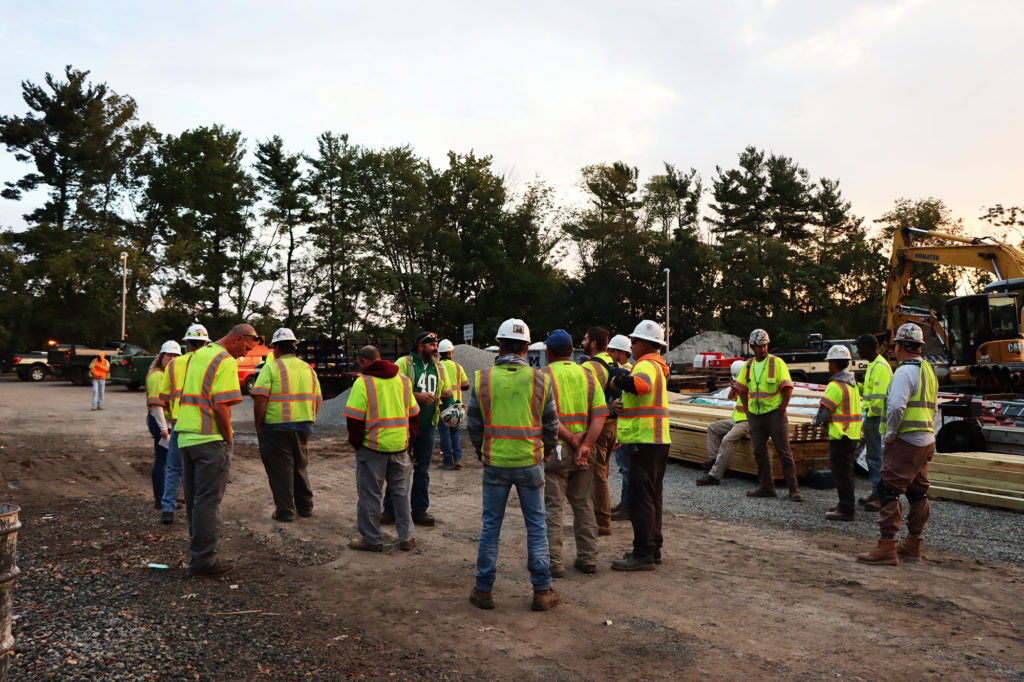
[[353, 240]]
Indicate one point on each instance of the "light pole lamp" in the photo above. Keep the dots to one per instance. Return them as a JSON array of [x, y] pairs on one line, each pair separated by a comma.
[[668, 273], [124, 288]]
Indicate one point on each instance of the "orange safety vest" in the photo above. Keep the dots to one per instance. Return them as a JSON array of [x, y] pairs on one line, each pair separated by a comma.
[[100, 369]]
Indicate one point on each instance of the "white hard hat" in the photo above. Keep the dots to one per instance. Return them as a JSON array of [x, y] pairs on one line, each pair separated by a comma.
[[620, 342], [446, 346], [649, 330], [735, 368], [759, 337], [283, 334], [909, 332], [513, 329], [453, 415], [197, 332], [171, 348], [838, 352]]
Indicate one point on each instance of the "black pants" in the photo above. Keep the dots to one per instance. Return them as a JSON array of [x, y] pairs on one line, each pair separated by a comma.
[[646, 479], [285, 459], [841, 453]]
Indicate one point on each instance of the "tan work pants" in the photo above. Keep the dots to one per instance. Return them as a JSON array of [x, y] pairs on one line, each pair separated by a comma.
[[600, 458], [563, 480]]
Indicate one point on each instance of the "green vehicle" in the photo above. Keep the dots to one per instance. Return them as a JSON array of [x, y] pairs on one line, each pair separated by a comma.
[[130, 370]]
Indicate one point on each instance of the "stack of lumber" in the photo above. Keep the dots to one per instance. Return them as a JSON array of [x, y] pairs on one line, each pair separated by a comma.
[[689, 426], [985, 478]]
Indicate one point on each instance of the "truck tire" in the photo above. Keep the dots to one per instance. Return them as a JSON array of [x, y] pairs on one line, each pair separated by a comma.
[[247, 385], [133, 385], [37, 373]]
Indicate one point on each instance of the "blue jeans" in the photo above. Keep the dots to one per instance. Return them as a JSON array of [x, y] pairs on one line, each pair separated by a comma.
[[873, 450], [172, 475], [622, 459], [451, 444], [159, 459], [529, 483], [420, 450], [98, 388]]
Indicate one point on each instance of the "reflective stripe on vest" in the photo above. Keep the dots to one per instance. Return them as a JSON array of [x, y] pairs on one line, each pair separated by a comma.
[[296, 399], [874, 403], [512, 427], [846, 413], [387, 421], [195, 412], [644, 418], [920, 412]]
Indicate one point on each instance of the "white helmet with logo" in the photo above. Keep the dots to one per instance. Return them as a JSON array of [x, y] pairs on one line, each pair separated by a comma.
[[283, 334], [446, 346], [735, 368], [649, 330], [513, 329], [759, 337], [838, 352], [910, 333], [620, 342], [453, 415], [171, 348], [197, 332]]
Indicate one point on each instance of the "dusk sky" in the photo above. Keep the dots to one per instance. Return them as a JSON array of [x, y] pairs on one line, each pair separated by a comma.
[[907, 99]]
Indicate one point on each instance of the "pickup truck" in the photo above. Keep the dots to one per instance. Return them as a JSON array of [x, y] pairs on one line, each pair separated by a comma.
[[71, 361], [31, 366], [809, 364]]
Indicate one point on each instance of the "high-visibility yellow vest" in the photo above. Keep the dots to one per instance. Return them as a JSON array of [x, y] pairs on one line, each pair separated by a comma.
[[512, 399], [153, 381], [920, 412], [644, 418], [764, 382], [843, 401], [599, 371], [739, 413], [425, 383], [291, 388], [577, 396], [171, 383], [385, 405], [457, 377], [211, 379], [876, 384]]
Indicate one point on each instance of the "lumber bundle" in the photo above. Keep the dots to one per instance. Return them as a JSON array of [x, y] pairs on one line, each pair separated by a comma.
[[986, 478], [689, 426]]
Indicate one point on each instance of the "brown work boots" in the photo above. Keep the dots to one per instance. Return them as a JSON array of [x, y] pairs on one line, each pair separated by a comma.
[[910, 549], [545, 599], [883, 555]]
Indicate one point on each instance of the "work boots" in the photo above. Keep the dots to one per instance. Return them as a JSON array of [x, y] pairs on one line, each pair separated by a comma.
[[910, 549], [883, 555], [545, 599]]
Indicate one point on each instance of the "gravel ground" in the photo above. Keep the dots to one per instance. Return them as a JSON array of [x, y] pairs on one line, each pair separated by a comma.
[[91, 609], [988, 535]]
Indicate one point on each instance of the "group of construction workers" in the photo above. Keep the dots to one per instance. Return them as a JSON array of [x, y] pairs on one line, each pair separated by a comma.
[[895, 407]]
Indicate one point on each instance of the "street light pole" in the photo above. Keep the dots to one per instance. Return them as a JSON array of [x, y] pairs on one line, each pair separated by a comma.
[[124, 288], [668, 333]]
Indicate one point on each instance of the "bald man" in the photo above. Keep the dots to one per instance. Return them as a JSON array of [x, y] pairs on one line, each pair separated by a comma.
[[204, 439]]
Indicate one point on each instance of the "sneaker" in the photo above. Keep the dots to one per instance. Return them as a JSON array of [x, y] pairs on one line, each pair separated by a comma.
[[557, 571], [481, 599], [387, 518], [167, 518], [545, 599], [408, 545], [631, 562], [585, 567], [215, 570], [707, 479], [364, 546], [423, 520]]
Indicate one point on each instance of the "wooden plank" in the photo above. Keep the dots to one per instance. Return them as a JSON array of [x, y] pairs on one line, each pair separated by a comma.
[[979, 485], [987, 460], [979, 472], [985, 499]]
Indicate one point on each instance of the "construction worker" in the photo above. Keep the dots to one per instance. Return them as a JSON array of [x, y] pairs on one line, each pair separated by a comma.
[[433, 392], [909, 444], [840, 408], [619, 348], [643, 423], [872, 391], [513, 425], [285, 400], [725, 434], [99, 372], [155, 419], [171, 384], [567, 475], [382, 418], [205, 438], [765, 387], [600, 364], [451, 440]]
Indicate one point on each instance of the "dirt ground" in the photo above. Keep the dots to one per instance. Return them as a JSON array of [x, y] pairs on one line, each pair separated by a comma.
[[729, 601]]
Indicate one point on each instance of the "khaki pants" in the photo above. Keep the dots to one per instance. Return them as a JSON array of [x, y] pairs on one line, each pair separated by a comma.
[[904, 472], [564, 480], [723, 437], [772, 425], [600, 458]]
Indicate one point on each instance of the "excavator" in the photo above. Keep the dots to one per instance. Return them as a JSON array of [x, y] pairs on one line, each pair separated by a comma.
[[977, 348]]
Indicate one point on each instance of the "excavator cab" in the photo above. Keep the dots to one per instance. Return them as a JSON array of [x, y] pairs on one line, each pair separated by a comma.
[[984, 329]]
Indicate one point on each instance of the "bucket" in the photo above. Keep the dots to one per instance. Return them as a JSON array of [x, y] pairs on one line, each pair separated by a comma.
[[9, 526]]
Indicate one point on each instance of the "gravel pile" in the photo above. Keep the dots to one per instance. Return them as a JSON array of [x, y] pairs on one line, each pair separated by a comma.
[[473, 359], [989, 535], [330, 414]]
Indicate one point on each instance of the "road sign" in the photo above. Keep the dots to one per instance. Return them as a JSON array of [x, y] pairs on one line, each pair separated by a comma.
[[467, 333]]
